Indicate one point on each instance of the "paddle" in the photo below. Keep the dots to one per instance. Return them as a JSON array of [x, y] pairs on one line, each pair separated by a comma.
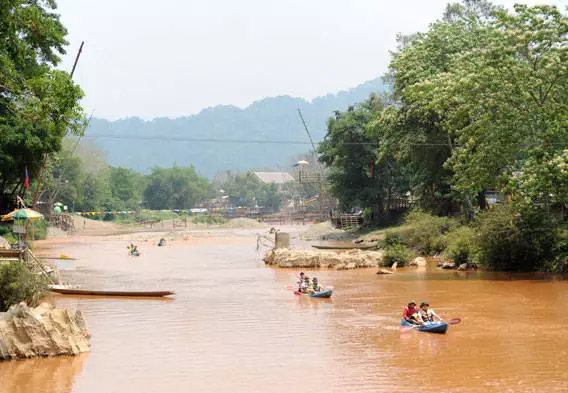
[[454, 321], [295, 287]]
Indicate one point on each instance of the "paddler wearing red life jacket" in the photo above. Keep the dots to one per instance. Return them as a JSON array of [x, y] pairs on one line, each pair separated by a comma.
[[410, 312]]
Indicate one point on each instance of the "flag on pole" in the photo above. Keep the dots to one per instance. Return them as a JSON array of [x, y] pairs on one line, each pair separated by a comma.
[[27, 180]]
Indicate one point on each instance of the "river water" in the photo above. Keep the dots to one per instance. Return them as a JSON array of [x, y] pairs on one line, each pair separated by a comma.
[[233, 326]]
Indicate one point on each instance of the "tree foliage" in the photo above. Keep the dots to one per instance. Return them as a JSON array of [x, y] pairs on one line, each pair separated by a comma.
[[39, 105], [247, 190], [479, 102], [359, 174], [174, 188]]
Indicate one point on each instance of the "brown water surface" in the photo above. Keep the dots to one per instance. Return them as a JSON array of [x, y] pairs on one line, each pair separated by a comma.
[[234, 327]]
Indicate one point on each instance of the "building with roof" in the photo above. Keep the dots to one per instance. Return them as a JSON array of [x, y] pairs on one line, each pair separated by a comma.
[[277, 178]]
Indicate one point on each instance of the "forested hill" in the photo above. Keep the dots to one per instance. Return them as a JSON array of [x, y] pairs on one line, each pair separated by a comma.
[[140, 145]]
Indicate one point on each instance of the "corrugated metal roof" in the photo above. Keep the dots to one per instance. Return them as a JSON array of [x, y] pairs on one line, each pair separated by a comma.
[[274, 177]]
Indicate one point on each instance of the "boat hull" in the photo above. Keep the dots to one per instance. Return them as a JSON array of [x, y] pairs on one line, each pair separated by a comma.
[[322, 294], [70, 291], [339, 247], [439, 328]]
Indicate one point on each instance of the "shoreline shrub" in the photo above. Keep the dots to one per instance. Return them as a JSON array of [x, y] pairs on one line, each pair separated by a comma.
[[19, 284], [511, 240], [398, 253], [426, 233], [462, 245]]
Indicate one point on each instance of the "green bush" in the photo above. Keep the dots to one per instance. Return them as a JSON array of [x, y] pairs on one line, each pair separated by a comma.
[[6, 233], [392, 238], [425, 232], [462, 245], [515, 241], [19, 284], [397, 253]]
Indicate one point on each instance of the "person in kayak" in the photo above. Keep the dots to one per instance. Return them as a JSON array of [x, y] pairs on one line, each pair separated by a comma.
[[306, 286], [427, 315], [316, 286], [300, 279], [162, 242], [411, 314]]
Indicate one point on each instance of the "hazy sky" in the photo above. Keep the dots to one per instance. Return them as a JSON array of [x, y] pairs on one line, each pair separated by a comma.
[[173, 58]]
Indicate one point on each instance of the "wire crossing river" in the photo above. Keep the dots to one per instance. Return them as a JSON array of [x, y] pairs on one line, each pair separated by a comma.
[[233, 326]]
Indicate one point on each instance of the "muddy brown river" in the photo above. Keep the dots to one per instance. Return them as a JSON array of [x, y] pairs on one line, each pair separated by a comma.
[[233, 326]]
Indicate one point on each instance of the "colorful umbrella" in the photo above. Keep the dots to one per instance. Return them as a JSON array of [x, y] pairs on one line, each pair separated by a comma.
[[23, 214]]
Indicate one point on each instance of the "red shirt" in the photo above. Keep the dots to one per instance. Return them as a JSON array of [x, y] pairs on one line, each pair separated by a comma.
[[408, 312]]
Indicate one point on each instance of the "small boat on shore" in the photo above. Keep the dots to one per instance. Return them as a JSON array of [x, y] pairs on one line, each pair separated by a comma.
[[322, 294], [441, 327], [344, 246], [76, 291]]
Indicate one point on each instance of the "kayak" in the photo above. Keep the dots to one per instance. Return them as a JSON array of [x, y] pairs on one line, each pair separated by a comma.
[[135, 254], [322, 294], [441, 327]]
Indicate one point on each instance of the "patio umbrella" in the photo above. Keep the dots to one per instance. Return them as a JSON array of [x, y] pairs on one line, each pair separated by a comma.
[[23, 214]]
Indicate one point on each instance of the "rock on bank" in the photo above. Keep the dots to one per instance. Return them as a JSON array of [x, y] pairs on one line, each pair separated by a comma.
[[42, 331], [311, 259]]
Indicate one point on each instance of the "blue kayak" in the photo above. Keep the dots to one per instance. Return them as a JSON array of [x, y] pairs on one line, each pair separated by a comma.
[[430, 328], [322, 294]]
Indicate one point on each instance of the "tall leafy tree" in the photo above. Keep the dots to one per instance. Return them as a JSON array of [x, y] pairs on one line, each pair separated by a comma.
[[174, 188], [505, 102], [412, 128], [247, 190], [38, 104], [359, 175]]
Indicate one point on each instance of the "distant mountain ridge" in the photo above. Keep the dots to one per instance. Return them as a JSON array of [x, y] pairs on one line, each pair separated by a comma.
[[216, 138]]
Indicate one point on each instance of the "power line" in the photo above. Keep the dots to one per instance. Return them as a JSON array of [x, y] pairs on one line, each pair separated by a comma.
[[242, 141], [256, 141]]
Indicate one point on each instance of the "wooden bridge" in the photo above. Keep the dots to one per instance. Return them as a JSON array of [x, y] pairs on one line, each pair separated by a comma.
[[63, 221]]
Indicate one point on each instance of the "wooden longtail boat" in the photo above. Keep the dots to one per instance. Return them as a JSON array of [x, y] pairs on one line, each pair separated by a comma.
[[75, 291], [344, 247]]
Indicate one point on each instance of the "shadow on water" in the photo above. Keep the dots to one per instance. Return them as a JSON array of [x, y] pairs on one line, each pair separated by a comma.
[[440, 274]]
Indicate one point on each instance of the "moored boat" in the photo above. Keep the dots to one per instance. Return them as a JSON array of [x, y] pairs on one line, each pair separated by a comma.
[[441, 327], [344, 247], [76, 291]]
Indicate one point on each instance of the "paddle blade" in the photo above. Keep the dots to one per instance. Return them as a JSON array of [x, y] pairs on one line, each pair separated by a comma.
[[63, 256], [454, 321], [329, 287]]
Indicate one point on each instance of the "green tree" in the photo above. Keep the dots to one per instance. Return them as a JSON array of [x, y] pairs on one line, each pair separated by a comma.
[[248, 191], [360, 176], [127, 188], [501, 99], [413, 130], [38, 104], [174, 188]]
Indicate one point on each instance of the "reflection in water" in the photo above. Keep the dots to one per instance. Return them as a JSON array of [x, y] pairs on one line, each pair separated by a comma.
[[234, 327], [54, 375]]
